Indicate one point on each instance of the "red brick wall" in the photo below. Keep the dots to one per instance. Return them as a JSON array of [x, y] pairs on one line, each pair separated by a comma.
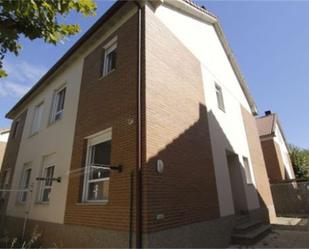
[[12, 148], [259, 167], [104, 103], [176, 132], [273, 160]]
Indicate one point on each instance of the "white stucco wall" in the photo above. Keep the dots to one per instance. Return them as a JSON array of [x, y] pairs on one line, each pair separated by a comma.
[[226, 128], [56, 139], [4, 136], [284, 152]]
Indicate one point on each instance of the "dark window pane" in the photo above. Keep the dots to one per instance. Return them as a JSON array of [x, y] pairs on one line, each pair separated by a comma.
[[101, 153], [98, 190], [46, 194]]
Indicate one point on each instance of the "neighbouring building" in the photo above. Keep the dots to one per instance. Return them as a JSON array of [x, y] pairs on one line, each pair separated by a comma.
[[142, 135], [4, 136], [275, 148]]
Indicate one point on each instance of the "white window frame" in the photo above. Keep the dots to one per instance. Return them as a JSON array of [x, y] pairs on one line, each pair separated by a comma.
[[248, 173], [108, 48], [93, 140], [5, 180], [37, 118], [23, 185], [55, 102], [43, 183], [219, 97]]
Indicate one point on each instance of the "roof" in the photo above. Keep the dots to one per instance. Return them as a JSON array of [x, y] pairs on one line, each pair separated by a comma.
[[266, 124], [104, 18], [4, 130]]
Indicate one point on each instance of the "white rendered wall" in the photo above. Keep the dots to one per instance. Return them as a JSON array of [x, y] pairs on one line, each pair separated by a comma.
[[54, 139], [226, 128], [284, 153], [4, 137]]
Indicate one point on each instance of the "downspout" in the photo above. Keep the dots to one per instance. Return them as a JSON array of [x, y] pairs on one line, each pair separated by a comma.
[[138, 180]]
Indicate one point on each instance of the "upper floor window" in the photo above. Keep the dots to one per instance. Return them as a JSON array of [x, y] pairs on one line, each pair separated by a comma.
[[58, 105], [97, 172], [247, 171], [110, 56], [25, 182], [37, 118], [220, 100], [15, 129]]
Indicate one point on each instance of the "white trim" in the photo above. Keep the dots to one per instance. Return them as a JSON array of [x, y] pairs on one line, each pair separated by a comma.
[[108, 48], [111, 42], [26, 167], [55, 100], [100, 137]]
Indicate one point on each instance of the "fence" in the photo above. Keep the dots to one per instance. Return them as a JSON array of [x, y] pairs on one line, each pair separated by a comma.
[[291, 198]]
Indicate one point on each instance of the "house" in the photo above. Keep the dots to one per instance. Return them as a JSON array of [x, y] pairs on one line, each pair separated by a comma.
[[275, 148], [4, 136], [142, 135]]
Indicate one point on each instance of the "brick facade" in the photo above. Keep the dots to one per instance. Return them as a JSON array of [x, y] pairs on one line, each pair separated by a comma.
[[273, 160], [10, 156], [177, 132], [104, 103], [259, 168]]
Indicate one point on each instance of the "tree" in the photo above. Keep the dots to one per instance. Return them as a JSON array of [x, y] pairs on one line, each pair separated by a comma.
[[34, 19], [300, 161]]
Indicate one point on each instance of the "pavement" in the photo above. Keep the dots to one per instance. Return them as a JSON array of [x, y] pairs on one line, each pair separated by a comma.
[[286, 233]]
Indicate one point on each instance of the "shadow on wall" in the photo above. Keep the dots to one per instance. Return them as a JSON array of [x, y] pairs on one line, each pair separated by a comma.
[[186, 192], [291, 198]]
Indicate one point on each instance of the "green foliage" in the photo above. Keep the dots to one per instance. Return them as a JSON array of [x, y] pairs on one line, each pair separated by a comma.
[[300, 161], [37, 19]]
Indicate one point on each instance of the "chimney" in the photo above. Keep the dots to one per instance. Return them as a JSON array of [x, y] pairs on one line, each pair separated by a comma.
[[267, 113]]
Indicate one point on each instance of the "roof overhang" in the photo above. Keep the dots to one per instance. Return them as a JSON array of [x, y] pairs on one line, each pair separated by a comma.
[[184, 5], [189, 7]]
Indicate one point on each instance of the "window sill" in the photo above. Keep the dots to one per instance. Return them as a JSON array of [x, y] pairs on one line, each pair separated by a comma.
[[54, 122], [44, 203], [33, 134], [106, 75], [92, 203]]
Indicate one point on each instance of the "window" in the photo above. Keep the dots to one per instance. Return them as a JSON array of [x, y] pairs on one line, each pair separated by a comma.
[[247, 171], [48, 171], [47, 184], [25, 181], [5, 181], [15, 129], [110, 56], [37, 117], [96, 182], [58, 105], [220, 100]]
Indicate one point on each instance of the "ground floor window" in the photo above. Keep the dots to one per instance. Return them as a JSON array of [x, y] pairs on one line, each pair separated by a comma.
[[25, 181], [97, 172]]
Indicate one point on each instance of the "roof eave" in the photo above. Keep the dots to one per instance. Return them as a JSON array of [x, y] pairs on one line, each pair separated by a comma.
[[68, 54]]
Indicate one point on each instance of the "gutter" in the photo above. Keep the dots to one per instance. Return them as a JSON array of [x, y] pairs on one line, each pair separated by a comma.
[[63, 59], [138, 170]]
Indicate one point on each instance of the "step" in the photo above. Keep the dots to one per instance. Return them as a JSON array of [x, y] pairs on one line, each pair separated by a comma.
[[252, 235], [247, 226], [242, 219]]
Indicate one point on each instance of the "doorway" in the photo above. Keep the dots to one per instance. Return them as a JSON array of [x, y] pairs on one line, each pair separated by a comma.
[[237, 184]]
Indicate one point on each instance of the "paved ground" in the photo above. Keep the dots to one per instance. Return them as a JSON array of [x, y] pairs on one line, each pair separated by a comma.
[[284, 239], [286, 233]]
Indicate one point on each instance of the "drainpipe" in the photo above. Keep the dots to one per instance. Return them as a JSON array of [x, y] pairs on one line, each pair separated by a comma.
[[138, 180]]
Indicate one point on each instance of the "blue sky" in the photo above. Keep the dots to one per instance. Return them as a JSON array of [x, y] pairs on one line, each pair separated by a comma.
[[269, 38]]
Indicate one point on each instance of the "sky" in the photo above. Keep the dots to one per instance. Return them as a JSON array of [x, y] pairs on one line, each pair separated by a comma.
[[270, 40]]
